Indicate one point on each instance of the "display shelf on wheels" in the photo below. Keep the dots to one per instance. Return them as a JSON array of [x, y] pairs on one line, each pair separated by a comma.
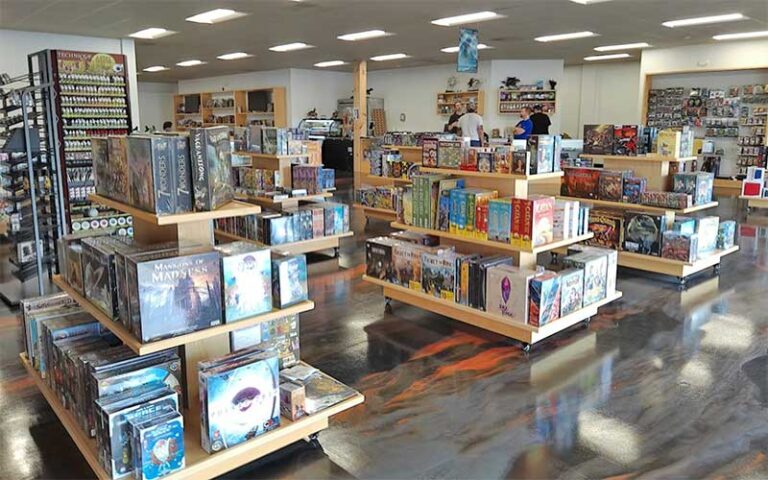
[[192, 230], [655, 168], [755, 202], [507, 185], [306, 246]]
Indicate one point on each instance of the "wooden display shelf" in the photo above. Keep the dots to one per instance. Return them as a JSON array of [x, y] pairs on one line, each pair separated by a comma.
[[496, 176], [146, 348], [655, 168], [304, 246], [200, 464], [479, 318], [406, 181], [405, 148], [641, 207], [755, 202], [675, 268], [232, 209], [269, 156], [491, 244], [378, 213], [638, 158], [271, 202]]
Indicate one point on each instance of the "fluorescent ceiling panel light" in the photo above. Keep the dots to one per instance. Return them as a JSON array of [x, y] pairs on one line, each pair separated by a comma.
[[354, 37], [289, 47], [392, 56], [190, 63], [564, 36], [589, 2], [216, 16], [152, 33], [480, 46], [686, 22], [607, 57], [233, 56], [739, 36], [330, 63], [155, 68], [626, 46], [468, 18]]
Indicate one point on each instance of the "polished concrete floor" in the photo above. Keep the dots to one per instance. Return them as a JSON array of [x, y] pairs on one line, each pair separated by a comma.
[[663, 384]]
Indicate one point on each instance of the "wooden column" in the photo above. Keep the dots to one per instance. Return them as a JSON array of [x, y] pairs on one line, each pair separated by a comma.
[[360, 129]]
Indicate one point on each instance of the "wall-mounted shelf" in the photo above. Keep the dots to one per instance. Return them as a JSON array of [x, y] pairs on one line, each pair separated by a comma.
[[446, 100]]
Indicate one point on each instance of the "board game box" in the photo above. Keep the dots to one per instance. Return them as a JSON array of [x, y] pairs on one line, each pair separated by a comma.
[[143, 184], [449, 154], [595, 266], [158, 446], [115, 173], [678, 246], [707, 228], [542, 150], [642, 232], [246, 272], [429, 148], [726, 234], [99, 282], [438, 274], [608, 229], [378, 259], [292, 400], [210, 151], [627, 140], [407, 263], [611, 184], [581, 182], [280, 335], [598, 139], [537, 220], [506, 292], [289, 279], [183, 173], [502, 159], [634, 187], [697, 184], [521, 162], [544, 299], [500, 220], [572, 290]]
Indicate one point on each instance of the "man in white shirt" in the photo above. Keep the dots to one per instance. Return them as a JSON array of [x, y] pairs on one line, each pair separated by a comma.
[[471, 125]]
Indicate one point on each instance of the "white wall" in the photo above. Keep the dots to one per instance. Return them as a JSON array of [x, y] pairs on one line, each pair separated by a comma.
[[16, 45], [600, 93], [156, 103], [413, 91], [317, 89]]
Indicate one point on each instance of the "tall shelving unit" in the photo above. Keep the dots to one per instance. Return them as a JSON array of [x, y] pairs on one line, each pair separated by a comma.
[[446, 101], [191, 230], [238, 107], [519, 186], [512, 101]]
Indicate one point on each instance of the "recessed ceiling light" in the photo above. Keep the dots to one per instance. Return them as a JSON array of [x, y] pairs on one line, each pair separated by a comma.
[[330, 63], [216, 16], [152, 33], [480, 46], [392, 56], [156, 68], [589, 2], [730, 17], [739, 36], [354, 37], [233, 56], [564, 36], [288, 47], [626, 46], [613, 56], [467, 18], [190, 63]]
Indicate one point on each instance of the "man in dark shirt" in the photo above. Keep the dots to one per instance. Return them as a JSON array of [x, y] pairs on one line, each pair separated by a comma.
[[540, 121], [453, 122]]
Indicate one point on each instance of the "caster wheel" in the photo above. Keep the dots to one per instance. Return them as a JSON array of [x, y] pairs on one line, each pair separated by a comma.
[[314, 441], [555, 258], [586, 322], [387, 305], [716, 269], [335, 252], [682, 282], [526, 347]]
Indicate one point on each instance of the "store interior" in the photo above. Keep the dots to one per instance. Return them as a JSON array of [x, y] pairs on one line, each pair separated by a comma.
[[321, 239]]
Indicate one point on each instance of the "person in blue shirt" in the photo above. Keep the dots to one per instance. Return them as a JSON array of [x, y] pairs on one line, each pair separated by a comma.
[[524, 127]]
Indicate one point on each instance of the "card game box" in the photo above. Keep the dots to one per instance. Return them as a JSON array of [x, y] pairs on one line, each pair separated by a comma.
[[698, 184], [292, 400], [595, 267], [158, 446], [542, 150], [627, 140], [449, 153], [240, 399], [581, 182], [289, 279], [707, 228], [502, 159], [611, 184], [684, 225], [500, 220], [642, 232], [678, 246], [485, 161], [378, 259], [506, 292], [634, 187], [522, 162], [598, 139], [246, 273], [536, 225], [211, 167], [438, 274], [726, 234], [176, 295], [544, 299], [611, 266], [572, 290], [429, 150], [608, 229], [280, 335]]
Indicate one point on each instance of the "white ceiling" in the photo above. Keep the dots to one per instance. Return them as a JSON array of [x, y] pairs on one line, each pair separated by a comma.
[[318, 22]]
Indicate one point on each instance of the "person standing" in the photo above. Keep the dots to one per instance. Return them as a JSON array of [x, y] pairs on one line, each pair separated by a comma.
[[540, 121], [524, 127], [453, 122], [471, 125]]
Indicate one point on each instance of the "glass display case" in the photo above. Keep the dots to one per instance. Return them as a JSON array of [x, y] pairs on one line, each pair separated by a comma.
[[321, 128]]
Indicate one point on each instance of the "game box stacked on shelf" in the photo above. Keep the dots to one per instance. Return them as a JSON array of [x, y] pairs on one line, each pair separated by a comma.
[[634, 140], [158, 291], [376, 197], [494, 283], [306, 222], [388, 163], [166, 174], [312, 179], [754, 184], [269, 140]]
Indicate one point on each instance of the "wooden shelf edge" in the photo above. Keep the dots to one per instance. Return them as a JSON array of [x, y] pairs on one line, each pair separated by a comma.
[[667, 266], [380, 213], [641, 207], [305, 246], [643, 158], [199, 463], [492, 244], [484, 320], [269, 156], [268, 200], [231, 209], [145, 348]]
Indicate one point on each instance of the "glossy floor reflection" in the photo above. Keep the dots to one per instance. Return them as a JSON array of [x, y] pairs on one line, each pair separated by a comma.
[[663, 384]]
